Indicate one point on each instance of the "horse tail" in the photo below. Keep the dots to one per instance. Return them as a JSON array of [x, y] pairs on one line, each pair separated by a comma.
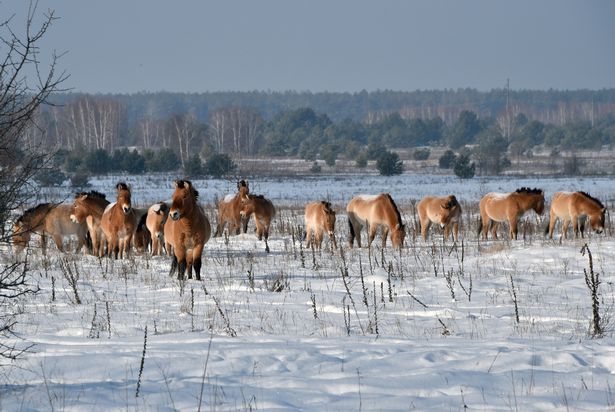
[[547, 228], [480, 225], [351, 228]]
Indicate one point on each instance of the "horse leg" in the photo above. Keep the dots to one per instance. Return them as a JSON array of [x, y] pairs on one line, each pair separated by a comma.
[[266, 234], [308, 236], [173, 266], [565, 224], [58, 241], [575, 226], [456, 231], [319, 237], [447, 229], [196, 255], [181, 263], [424, 228], [189, 262], [371, 234], [552, 220], [513, 222], [385, 233]]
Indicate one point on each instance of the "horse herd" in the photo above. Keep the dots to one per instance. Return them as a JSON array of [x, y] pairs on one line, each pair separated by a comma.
[[181, 228]]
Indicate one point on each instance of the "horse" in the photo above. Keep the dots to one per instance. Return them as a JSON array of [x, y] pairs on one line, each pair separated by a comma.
[[444, 211], [319, 217], [187, 230], [88, 207], [142, 238], [156, 217], [229, 211], [374, 211], [500, 207], [119, 222], [263, 211], [48, 219], [575, 207]]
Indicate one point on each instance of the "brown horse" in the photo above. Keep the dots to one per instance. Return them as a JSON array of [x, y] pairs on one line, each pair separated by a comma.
[[575, 207], [263, 211], [88, 207], [444, 211], [500, 207], [119, 222], [319, 217], [142, 238], [374, 211], [48, 219], [156, 217], [187, 230], [229, 211]]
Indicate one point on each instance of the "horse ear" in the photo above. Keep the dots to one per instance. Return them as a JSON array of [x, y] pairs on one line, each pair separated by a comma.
[[179, 183], [156, 208]]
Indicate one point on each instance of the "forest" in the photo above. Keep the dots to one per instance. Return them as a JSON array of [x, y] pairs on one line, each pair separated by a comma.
[[167, 131]]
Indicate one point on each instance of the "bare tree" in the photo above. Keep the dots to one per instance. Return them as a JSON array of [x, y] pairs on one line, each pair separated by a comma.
[[25, 85]]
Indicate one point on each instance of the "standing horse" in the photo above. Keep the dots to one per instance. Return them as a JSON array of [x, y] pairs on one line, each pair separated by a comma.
[[575, 207], [88, 207], [444, 211], [229, 209], [48, 219], [319, 217], [156, 217], [119, 222], [263, 211], [373, 211], [187, 230], [500, 207]]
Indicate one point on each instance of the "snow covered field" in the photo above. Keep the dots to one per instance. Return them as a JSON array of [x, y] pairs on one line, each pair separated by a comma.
[[432, 328]]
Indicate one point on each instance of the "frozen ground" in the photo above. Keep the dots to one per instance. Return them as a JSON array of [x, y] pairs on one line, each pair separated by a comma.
[[286, 331]]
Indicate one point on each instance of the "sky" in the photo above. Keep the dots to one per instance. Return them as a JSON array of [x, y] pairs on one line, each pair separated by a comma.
[[119, 46]]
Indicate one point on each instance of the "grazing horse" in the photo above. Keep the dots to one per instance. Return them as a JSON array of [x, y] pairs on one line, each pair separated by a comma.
[[119, 222], [187, 230], [156, 217], [319, 218], [575, 207], [500, 207], [229, 210], [88, 207], [263, 211], [444, 211], [373, 211], [48, 219]]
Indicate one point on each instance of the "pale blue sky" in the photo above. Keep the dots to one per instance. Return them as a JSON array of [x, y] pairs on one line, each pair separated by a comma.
[[330, 45]]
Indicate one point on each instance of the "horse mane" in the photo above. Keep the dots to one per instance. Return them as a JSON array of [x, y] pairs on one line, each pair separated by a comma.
[[122, 186], [142, 222], [91, 193], [255, 196], [452, 202], [527, 190], [590, 197], [327, 206], [388, 196]]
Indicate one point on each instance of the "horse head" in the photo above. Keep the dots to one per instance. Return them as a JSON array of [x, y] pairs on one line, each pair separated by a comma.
[[123, 197], [21, 235], [539, 206], [397, 235], [184, 199], [597, 220]]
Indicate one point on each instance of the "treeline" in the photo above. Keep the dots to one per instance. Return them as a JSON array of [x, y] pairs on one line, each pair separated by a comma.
[[257, 123]]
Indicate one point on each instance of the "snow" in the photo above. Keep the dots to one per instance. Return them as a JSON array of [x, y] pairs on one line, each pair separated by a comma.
[[232, 343]]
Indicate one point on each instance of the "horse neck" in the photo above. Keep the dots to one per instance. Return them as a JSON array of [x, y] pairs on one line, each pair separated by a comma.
[[393, 217], [587, 205], [96, 207], [526, 201]]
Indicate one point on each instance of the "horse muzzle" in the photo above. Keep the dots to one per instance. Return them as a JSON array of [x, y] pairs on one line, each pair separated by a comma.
[[126, 209], [74, 219], [174, 215]]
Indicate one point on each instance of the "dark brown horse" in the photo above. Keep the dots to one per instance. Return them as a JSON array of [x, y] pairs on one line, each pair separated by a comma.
[[374, 211], [575, 207], [88, 207], [263, 211], [501, 207], [187, 230], [229, 209], [119, 222]]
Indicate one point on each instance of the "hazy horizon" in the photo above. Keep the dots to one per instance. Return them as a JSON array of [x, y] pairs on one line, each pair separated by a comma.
[[343, 46]]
